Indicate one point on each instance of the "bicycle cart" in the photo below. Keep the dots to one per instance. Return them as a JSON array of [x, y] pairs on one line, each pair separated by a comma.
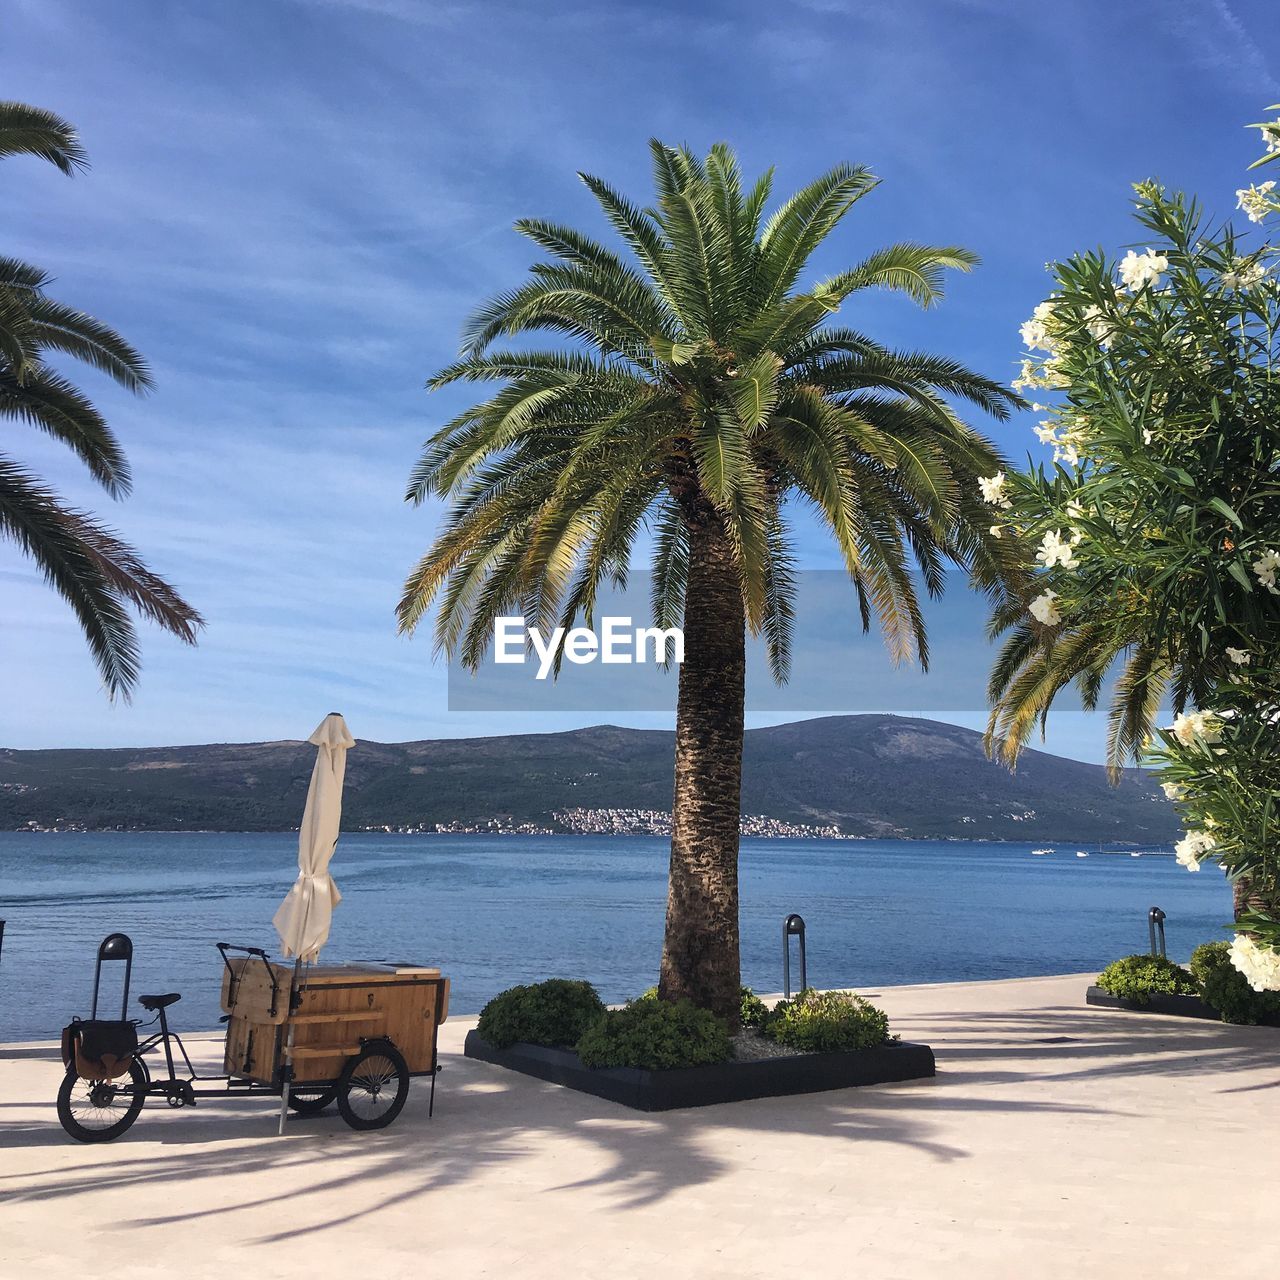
[[354, 1034]]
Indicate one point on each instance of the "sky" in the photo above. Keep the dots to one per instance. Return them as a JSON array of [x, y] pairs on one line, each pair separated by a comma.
[[295, 204]]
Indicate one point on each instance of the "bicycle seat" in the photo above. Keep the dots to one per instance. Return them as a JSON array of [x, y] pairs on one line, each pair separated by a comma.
[[159, 1002]]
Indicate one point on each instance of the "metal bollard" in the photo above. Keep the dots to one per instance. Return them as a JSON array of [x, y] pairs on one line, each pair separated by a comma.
[[1155, 924], [793, 927], [1, 937]]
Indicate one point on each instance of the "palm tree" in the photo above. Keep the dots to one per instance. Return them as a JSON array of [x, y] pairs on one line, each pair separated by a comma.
[[94, 571], [704, 395]]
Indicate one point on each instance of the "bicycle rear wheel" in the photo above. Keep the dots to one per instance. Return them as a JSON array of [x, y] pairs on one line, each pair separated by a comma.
[[101, 1110], [311, 1099]]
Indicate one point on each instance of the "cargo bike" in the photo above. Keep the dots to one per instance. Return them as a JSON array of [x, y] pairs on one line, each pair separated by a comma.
[[310, 1035]]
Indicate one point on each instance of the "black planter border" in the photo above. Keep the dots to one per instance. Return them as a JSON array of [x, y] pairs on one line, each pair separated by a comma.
[[724, 1082], [1173, 1006]]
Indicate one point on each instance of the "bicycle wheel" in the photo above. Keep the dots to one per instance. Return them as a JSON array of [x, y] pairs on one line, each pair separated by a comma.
[[374, 1086], [101, 1110], [311, 1099]]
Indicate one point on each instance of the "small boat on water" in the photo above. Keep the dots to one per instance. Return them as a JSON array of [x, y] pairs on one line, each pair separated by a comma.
[[1080, 853], [1135, 855], [1039, 853]]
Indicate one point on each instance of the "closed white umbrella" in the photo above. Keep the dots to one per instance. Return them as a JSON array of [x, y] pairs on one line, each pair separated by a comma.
[[304, 917]]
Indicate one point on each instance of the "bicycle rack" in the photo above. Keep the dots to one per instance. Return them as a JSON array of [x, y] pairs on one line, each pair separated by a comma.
[[793, 927], [1155, 925], [115, 946]]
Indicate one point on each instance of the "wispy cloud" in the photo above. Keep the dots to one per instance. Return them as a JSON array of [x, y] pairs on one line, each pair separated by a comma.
[[293, 208], [1217, 37]]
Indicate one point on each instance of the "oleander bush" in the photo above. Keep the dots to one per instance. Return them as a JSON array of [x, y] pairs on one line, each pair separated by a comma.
[[828, 1021], [655, 1035], [1226, 989], [555, 1012], [1139, 977]]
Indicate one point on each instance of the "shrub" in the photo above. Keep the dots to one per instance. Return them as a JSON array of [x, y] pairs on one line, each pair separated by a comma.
[[555, 1012], [656, 1035], [1139, 977], [827, 1021], [1225, 988], [752, 1012]]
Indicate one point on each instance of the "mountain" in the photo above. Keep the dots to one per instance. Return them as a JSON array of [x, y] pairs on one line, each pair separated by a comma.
[[869, 775]]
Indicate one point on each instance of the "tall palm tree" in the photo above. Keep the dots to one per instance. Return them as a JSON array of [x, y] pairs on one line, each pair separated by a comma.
[[703, 396], [100, 576]]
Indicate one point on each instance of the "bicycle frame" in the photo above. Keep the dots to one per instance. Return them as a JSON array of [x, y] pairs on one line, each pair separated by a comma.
[[181, 1091]]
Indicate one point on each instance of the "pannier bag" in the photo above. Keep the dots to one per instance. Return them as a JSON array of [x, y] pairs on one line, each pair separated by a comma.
[[99, 1049]]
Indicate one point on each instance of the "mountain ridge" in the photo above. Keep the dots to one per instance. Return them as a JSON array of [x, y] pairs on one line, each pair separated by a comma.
[[868, 775]]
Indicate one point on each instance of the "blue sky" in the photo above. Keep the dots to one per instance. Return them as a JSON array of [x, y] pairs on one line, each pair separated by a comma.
[[295, 203]]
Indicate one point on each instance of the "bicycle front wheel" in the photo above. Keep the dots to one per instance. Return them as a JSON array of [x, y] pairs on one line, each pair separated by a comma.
[[101, 1110]]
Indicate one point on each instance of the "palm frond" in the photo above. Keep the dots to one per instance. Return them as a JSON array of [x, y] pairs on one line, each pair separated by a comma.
[[95, 572], [33, 131]]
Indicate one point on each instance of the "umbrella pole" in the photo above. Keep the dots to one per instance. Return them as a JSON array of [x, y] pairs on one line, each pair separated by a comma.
[[288, 1052]]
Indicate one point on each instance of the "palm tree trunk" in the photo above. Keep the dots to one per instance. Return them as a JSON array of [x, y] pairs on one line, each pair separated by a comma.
[[1255, 894], [700, 952]]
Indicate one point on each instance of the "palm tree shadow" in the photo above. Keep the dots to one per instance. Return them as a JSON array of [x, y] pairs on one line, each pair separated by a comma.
[[488, 1118]]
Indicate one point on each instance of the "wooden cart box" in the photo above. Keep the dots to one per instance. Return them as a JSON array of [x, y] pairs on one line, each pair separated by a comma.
[[338, 1005]]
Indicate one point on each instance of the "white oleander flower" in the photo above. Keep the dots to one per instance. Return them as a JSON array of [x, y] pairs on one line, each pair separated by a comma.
[[1138, 270], [1260, 965], [1256, 200], [993, 489], [1035, 332], [1055, 549], [1243, 274], [1074, 510], [1199, 726], [1266, 567], [1240, 657], [1047, 432], [1053, 377], [1173, 790], [1147, 437], [1098, 325], [1192, 847], [1270, 135], [1069, 446], [1045, 611], [996, 531]]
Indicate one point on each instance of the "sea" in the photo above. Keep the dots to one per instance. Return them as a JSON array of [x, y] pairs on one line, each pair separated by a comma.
[[493, 911]]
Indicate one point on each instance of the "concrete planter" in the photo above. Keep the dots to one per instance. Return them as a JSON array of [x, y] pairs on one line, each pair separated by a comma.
[[723, 1082]]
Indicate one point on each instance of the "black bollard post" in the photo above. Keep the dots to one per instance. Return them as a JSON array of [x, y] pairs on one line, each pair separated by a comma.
[[793, 927], [1155, 923]]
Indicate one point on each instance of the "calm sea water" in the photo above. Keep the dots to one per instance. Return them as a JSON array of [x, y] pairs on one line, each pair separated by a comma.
[[496, 911]]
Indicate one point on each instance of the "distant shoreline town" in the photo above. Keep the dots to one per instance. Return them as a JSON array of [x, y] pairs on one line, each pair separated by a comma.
[[614, 822], [576, 822]]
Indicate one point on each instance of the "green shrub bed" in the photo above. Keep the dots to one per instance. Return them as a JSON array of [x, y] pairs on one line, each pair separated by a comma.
[[660, 1035], [553, 1013], [1139, 977]]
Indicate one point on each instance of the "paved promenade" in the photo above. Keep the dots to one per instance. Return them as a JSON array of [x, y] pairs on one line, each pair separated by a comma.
[[1056, 1141]]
